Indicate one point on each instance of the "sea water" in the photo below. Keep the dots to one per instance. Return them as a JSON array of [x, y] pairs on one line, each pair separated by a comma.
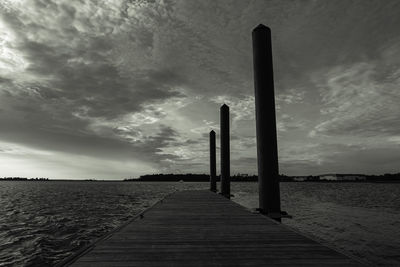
[[361, 219], [41, 223]]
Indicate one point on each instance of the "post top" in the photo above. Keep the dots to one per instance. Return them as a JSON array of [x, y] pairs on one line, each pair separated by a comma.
[[261, 27], [224, 106], [212, 132]]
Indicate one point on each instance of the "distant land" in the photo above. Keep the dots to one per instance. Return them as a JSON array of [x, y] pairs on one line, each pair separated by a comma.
[[23, 179], [191, 177], [41, 179]]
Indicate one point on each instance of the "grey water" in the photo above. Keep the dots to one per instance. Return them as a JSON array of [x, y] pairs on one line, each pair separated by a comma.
[[360, 219], [41, 223]]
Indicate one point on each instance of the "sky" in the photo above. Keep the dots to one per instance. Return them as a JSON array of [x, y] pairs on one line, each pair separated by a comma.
[[117, 89]]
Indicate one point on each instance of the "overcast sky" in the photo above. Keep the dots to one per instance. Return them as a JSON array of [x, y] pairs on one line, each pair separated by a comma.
[[116, 89]]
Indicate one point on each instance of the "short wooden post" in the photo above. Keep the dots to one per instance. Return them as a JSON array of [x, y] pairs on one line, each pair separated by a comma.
[[225, 152], [213, 164], [267, 152]]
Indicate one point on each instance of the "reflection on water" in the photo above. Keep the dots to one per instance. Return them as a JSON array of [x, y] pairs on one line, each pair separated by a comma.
[[43, 222]]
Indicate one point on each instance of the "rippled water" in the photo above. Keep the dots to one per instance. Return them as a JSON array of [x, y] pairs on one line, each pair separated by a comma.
[[362, 219], [43, 222]]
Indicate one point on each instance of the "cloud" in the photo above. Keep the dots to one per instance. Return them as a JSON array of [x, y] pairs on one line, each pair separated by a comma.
[[286, 123], [321, 157], [291, 96], [359, 100], [144, 80], [72, 87], [240, 108]]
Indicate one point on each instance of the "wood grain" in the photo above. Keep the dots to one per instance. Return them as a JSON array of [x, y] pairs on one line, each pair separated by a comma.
[[201, 228]]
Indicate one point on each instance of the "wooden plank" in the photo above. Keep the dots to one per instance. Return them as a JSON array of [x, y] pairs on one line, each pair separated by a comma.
[[201, 228]]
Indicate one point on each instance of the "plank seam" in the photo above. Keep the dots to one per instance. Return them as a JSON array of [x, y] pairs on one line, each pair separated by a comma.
[[84, 250]]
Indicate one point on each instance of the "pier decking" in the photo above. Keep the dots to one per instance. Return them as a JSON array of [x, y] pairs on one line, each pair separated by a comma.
[[201, 228]]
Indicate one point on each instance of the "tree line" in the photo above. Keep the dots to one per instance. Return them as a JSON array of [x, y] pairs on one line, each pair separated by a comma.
[[191, 177]]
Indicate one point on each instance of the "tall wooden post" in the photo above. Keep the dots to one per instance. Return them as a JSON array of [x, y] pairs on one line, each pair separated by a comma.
[[213, 166], [267, 152], [225, 152]]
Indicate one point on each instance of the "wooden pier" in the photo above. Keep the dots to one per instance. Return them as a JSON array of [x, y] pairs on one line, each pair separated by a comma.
[[201, 228]]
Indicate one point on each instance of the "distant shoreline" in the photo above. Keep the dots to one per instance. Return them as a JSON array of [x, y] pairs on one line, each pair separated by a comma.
[[163, 181], [236, 181], [189, 177], [323, 178]]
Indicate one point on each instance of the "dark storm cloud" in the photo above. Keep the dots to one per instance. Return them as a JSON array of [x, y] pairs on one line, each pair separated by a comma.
[[76, 141], [75, 82], [144, 79], [163, 138], [94, 82]]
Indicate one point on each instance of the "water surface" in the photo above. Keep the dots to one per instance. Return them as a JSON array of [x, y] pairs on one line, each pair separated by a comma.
[[41, 223], [362, 219]]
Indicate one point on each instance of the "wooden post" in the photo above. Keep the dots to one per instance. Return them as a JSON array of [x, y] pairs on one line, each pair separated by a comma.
[[267, 152], [225, 152], [213, 166]]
